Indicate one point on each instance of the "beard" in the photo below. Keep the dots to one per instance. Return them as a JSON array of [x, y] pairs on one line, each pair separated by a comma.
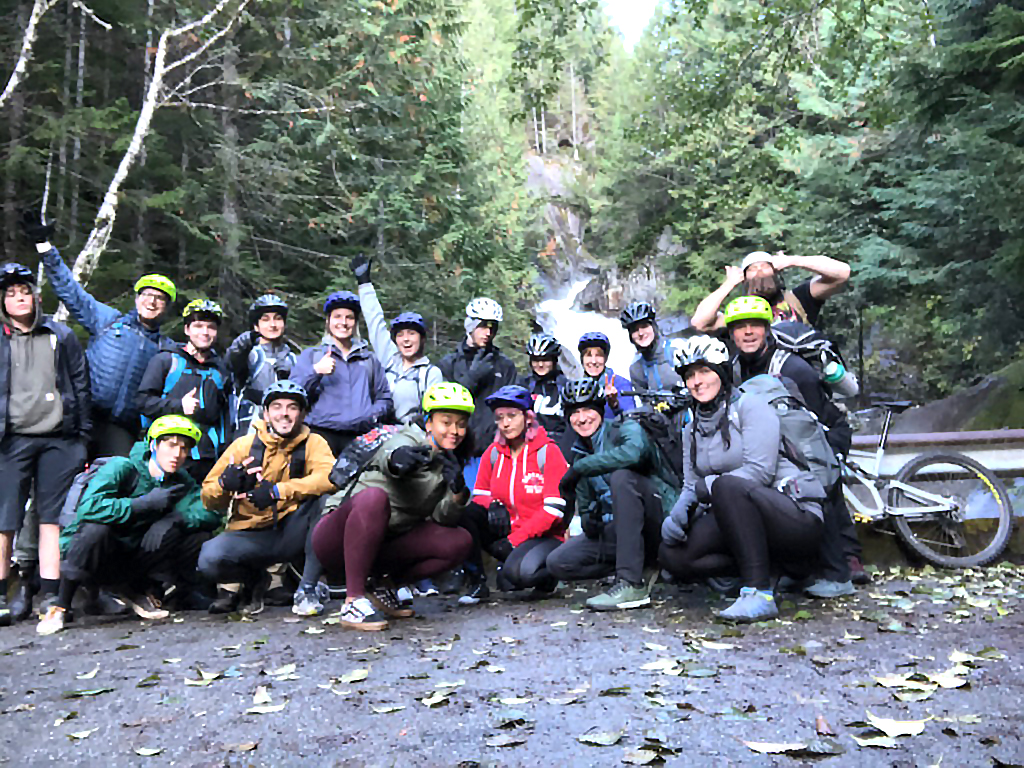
[[768, 288]]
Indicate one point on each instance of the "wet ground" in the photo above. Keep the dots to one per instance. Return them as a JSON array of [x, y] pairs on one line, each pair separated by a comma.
[[542, 683]]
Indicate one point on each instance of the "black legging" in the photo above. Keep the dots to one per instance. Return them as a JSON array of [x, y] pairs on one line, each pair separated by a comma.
[[755, 525], [526, 566]]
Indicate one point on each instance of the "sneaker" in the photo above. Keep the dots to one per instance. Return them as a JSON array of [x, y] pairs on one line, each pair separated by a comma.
[[21, 603], [360, 614], [425, 588], [100, 602], [827, 589], [5, 612], [858, 575], [751, 605], [254, 602], [386, 600], [727, 586], [405, 596], [52, 622], [144, 606], [227, 600], [309, 601], [480, 591], [621, 596]]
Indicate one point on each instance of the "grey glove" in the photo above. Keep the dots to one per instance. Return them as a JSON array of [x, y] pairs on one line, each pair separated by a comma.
[[158, 499], [683, 509], [672, 532]]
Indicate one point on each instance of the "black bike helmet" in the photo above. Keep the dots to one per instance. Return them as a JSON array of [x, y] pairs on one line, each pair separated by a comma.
[[582, 393], [12, 273], [267, 303], [543, 345], [637, 312], [285, 388]]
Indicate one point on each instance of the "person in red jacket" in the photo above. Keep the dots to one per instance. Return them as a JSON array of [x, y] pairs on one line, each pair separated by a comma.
[[516, 512]]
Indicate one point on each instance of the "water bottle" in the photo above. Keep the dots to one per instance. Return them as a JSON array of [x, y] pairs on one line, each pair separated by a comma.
[[841, 381]]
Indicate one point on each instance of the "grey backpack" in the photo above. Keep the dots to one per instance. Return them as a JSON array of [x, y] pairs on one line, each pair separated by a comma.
[[803, 436]]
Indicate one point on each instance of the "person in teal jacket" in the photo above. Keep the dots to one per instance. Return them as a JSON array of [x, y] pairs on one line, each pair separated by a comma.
[[622, 487], [140, 521]]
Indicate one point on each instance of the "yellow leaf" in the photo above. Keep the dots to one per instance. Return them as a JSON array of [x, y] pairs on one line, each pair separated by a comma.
[[266, 709], [770, 748], [88, 675], [894, 728]]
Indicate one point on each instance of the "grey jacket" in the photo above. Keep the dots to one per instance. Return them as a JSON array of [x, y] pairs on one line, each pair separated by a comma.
[[407, 384]]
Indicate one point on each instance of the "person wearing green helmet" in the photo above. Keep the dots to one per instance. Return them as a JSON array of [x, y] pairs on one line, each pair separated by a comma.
[[192, 380], [399, 521], [138, 526], [121, 343]]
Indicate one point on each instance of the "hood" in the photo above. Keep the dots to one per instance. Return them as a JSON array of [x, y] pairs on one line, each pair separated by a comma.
[[283, 444], [360, 348], [536, 436], [212, 358], [36, 321]]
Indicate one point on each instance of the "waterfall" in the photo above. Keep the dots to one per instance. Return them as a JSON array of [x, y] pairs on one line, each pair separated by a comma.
[[561, 320]]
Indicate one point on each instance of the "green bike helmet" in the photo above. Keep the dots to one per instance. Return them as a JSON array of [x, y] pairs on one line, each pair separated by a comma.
[[748, 308], [159, 282], [174, 425]]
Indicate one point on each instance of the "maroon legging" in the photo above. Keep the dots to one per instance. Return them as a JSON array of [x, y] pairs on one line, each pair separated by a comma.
[[353, 539]]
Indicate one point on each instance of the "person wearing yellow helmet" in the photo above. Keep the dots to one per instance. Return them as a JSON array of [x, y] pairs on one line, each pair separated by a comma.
[[138, 526], [401, 515], [121, 343], [192, 380]]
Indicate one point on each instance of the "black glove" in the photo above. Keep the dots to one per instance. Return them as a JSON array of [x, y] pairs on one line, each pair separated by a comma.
[[158, 531], [501, 549], [263, 495], [406, 459], [498, 519], [159, 499], [567, 485], [236, 478], [451, 471], [701, 489], [34, 229], [361, 268], [481, 367]]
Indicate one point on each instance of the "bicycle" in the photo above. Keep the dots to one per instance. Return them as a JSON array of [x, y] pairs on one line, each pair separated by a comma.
[[930, 500]]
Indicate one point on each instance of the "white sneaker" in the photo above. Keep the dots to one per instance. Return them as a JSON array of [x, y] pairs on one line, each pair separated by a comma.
[[361, 614], [52, 621]]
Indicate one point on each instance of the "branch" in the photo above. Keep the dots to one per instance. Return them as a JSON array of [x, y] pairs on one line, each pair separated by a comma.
[[28, 40], [202, 22], [91, 14]]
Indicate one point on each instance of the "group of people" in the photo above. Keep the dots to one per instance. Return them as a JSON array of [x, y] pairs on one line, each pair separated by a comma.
[[163, 475]]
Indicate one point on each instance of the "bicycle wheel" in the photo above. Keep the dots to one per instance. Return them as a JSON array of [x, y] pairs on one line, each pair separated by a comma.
[[974, 534]]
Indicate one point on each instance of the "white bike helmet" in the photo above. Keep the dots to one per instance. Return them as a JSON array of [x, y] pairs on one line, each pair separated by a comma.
[[704, 350], [485, 309]]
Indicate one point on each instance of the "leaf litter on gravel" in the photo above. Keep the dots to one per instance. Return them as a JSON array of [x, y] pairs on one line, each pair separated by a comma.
[[600, 738]]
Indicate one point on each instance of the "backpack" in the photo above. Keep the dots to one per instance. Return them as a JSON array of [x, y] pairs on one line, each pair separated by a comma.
[[793, 338], [216, 433], [804, 440], [542, 456], [665, 435], [296, 462], [355, 456], [69, 511]]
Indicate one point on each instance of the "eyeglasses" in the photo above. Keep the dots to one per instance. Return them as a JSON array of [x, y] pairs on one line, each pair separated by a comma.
[[159, 298]]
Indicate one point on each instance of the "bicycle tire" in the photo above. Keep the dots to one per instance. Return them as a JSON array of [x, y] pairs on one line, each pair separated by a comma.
[[941, 557]]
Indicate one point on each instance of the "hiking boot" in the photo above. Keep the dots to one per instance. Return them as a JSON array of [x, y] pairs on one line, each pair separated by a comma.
[[858, 575], [479, 591], [227, 600], [360, 614], [751, 605], [309, 600], [144, 606], [502, 582], [622, 596], [100, 602], [255, 593], [52, 621], [827, 589], [5, 612], [21, 604], [386, 601], [425, 588]]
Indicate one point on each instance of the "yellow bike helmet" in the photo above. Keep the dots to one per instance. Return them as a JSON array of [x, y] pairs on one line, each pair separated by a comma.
[[448, 396], [174, 425], [159, 282], [202, 309], [748, 308]]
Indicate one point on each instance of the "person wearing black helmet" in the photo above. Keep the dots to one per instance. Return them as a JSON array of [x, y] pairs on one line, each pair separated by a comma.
[[259, 357], [192, 380], [399, 347], [271, 480], [544, 383], [594, 349], [44, 423], [652, 367], [348, 390], [622, 488]]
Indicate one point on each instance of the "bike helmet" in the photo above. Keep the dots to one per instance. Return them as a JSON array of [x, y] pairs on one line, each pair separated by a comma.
[[543, 345], [341, 300], [511, 396], [14, 274], [756, 257], [582, 393], [202, 309], [485, 309], [700, 350], [286, 389], [594, 339], [448, 396], [748, 308], [412, 321], [159, 282], [637, 312], [267, 303], [174, 425]]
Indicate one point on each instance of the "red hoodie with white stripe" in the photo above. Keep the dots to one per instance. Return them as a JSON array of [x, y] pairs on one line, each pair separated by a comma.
[[530, 495]]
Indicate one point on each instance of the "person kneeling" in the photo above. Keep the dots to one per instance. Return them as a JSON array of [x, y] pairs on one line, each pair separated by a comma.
[[743, 504], [622, 488], [140, 521], [400, 520], [276, 477], [516, 513]]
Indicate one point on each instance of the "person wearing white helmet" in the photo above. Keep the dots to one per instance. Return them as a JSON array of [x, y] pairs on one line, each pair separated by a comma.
[[481, 368], [760, 274]]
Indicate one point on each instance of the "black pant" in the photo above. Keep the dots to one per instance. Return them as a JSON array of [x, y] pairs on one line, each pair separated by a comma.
[[235, 556], [474, 520], [761, 524], [526, 565], [836, 547], [51, 461], [335, 438], [704, 553], [97, 557], [629, 541]]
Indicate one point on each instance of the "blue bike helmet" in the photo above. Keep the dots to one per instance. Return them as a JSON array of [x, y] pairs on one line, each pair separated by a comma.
[[341, 300], [595, 339], [408, 321], [511, 396]]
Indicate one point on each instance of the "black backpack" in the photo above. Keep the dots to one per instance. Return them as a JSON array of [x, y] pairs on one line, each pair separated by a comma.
[[296, 462], [800, 339], [356, 455], [666, 435], [69, 511]]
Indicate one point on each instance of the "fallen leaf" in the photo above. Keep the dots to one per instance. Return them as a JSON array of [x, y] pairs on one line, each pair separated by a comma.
[[354, 676], [267, 709], [884, 742], [894, 728], [148, 751], [713, 646], [435, 699], [88, 675], [494, 668], [771, 748], [660, 665], [261, 696], [914, 695], [951, 678], [384, 709], [247, 746], [822, 727], [197, 682], [287, 669], [504, 740], [313, 631], [563, 700], [452, 684], [600, 738], [83, 693], [641, 757], [82, 734], [622, 690], [515, 701], [148, 682], [655, 647]]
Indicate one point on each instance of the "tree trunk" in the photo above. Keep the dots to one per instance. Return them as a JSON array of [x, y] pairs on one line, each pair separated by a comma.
[[182, 239], [76, 143], [65, 105], [231, 236], [14, 125], [572, 88], [28, 40]]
